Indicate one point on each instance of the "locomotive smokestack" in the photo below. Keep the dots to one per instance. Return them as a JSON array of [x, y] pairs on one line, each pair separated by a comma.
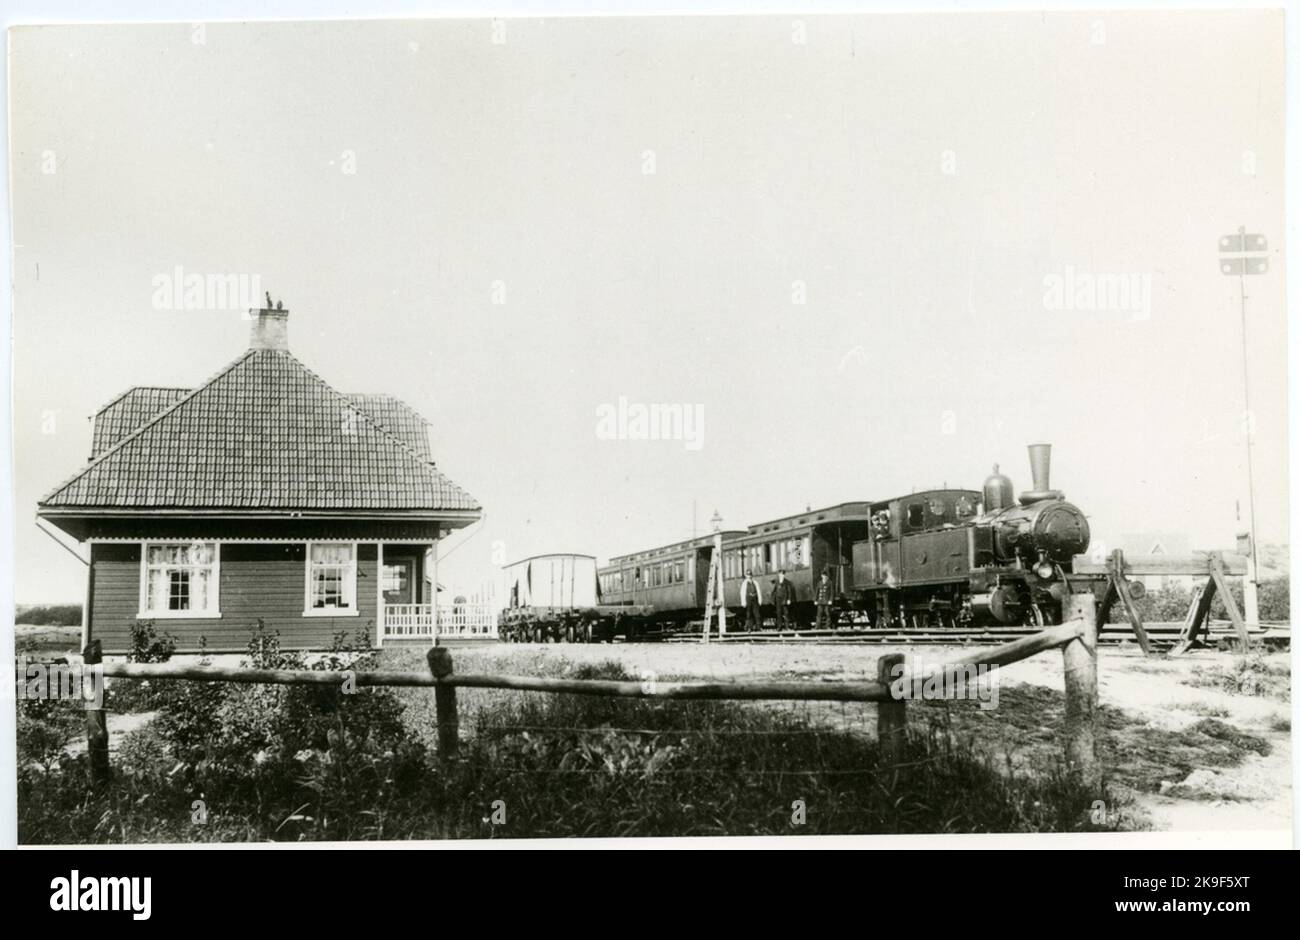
[[1040, 467]]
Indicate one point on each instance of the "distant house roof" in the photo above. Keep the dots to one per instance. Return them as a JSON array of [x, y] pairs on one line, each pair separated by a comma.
[[1153, 543], [264, 433]]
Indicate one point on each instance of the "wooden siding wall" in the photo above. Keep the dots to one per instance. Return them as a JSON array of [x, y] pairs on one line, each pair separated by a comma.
[[257, 580]]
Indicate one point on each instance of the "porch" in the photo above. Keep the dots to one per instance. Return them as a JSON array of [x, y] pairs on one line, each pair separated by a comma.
[[424, 622], [411, 606]]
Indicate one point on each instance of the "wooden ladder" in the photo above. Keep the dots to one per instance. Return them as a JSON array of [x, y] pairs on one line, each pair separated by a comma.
[[713, 597]]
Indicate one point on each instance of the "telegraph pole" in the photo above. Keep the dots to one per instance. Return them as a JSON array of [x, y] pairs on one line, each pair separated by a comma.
[[1241, 266]]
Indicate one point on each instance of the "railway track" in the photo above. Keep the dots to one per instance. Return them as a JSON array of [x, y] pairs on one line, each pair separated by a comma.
[[1162, 636]]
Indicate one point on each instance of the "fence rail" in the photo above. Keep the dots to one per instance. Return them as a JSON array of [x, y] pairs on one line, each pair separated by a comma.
[[1077, 639]]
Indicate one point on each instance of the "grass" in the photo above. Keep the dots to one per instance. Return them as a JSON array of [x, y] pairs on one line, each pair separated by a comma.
[[1025, 730], [1251, 674], [1204, 709], [554, 766], [45, 641]]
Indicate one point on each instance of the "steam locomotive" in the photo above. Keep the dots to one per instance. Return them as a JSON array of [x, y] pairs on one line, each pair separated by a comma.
[[938, 558], [958, 557]]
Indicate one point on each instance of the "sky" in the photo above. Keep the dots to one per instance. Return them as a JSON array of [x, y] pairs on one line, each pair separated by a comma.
[[856, 250]]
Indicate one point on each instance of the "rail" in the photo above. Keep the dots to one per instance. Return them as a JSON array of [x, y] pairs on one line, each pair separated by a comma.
[[1077, 639]]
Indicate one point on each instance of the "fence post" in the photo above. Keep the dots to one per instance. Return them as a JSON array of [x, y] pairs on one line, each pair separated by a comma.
[[891, 715], [1080, 659], [96, 721], [444, 702]]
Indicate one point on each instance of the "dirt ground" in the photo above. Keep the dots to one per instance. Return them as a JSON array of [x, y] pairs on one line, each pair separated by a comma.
[[46, 640], [1186, 740]]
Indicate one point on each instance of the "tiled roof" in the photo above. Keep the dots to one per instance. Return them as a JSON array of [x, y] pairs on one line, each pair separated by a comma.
[[264, 433], [128, 411], [399, 419]]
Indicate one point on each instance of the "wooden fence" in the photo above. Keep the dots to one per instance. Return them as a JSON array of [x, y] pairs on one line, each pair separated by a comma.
[[1077, 639]]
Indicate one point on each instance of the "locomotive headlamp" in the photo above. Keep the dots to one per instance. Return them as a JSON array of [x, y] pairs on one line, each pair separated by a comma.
[[1045, 570]]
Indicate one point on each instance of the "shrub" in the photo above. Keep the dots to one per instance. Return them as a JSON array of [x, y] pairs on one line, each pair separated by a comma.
[[146, 646], [266, 746], [45, 728]]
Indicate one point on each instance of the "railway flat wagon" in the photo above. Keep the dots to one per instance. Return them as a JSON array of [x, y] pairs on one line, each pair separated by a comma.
[[561, 580], [557, 597]]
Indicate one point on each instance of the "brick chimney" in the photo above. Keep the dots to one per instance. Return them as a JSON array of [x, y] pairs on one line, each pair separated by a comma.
[[270, 327]]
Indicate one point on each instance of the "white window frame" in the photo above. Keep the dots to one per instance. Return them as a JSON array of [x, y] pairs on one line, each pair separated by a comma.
[[212, 612], [310, 611]]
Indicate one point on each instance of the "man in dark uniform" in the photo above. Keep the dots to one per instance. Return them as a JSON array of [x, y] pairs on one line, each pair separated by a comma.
[[751, 599], [783, 598], [824, 596]]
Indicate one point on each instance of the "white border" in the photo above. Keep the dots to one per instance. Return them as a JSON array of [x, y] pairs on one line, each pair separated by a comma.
[[20, 12]]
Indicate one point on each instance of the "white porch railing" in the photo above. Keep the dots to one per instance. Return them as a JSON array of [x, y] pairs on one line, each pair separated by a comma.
[[418, 621]]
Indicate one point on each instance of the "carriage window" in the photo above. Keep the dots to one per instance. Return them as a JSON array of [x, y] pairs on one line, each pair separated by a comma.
[[938, 507], [965, 507], [916, 515]]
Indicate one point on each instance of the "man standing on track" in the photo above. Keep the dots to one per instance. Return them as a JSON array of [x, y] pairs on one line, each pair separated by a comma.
[[751, 596], [824, 596], [783, 598]]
